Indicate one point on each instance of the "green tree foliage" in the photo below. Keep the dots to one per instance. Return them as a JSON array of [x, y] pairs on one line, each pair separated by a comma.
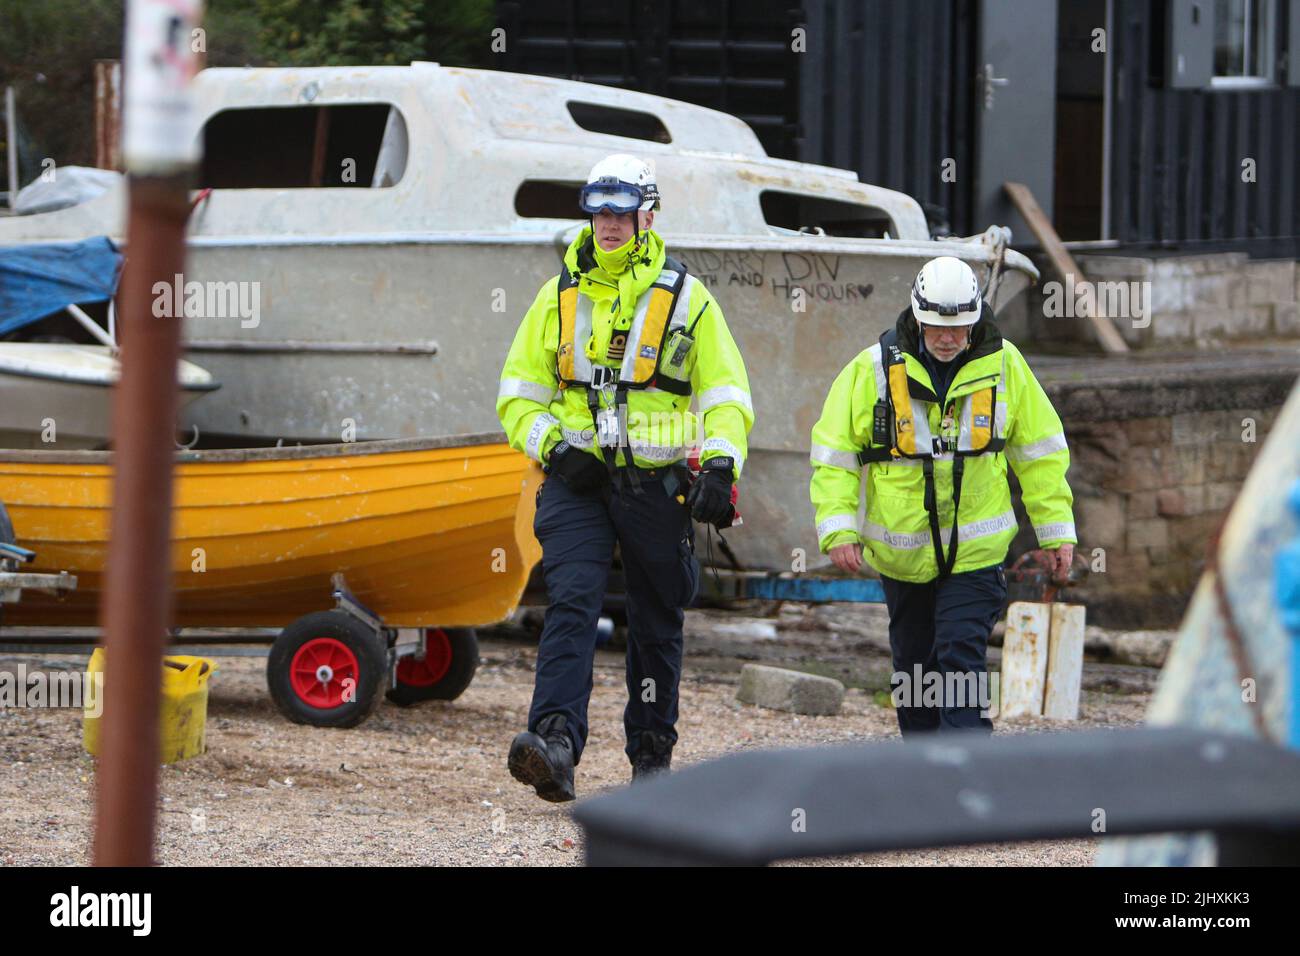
[[47, 53], [48, 48], [346, 32]]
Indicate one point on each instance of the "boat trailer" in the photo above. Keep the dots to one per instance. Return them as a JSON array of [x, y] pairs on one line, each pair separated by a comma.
[[13, 581], [329, 668]]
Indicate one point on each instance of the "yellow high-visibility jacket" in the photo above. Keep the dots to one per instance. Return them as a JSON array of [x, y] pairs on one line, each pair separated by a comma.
[[994, 402], [537, 409]]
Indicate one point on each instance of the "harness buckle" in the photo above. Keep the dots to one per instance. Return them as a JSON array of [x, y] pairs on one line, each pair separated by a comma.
[[603, 377]]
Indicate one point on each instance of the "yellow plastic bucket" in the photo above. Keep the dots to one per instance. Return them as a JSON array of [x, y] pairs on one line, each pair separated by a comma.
[[183, 719]]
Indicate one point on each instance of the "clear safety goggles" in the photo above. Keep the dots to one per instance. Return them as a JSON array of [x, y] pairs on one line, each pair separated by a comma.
[[617, 197]]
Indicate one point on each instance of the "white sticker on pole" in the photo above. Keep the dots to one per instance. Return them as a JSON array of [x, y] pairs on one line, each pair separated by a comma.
[[160, 63]]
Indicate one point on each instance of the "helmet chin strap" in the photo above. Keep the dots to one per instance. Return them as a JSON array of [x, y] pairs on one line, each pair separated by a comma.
[[636, 238]]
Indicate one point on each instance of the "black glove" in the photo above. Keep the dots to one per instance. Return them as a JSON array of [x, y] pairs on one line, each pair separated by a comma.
[[710, 496], [583, 473]]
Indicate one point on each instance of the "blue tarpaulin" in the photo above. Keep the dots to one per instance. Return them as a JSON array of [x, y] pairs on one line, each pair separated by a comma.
[[36, 281]]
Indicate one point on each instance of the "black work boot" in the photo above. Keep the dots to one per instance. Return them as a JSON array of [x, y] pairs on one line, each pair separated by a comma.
[[544, 760], [653, 756]]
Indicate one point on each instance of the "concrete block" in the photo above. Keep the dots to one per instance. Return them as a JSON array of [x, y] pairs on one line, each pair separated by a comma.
[[1219, 495], [1141, 504], [1177, 502], [1193, 428], [1148, 533], [1189, 537], [1233, 424], [1170, 268], [1242, 457], [1214, 323], [1286, 319], [1123, 268], [1185, 465], [1207, 292], [1129, 304], [1101, 520], [1171, 502], [1172, 326], [1270, 281], [1146, 648], [1238, 292], [1125, 567], [779, 689], [1142, 469], [1216, 262], [1224, 426], [1227, 463], [1249, 321], [1149, 431]]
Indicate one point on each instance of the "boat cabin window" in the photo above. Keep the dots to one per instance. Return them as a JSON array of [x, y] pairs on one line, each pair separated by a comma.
[[616, 121], [548, 199], [834, 217], [286, 147]]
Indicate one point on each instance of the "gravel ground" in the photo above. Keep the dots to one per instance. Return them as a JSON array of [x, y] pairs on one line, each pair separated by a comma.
[[429, 785]]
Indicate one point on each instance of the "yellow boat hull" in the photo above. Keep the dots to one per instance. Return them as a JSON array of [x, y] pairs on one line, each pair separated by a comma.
[[427, 532]]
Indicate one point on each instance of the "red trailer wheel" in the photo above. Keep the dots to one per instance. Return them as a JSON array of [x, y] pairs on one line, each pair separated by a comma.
[[321, 671], [450, 660], [327, 669], [415, 672]]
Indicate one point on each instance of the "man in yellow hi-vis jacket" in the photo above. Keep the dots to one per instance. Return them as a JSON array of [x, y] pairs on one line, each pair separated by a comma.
[[934, 411], [598, 387]]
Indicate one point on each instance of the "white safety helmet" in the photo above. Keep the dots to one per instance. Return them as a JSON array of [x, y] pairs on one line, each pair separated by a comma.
[[946, 292], [620, 183]]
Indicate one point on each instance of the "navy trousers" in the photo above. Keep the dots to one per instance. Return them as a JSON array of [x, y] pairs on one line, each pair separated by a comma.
[[656, 539], [942, 628]]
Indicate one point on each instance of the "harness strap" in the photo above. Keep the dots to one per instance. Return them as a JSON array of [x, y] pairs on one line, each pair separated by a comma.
[[945, 564]]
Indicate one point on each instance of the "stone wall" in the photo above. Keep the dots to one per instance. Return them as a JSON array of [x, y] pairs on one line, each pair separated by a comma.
[[1156, 462], [1191, 301]]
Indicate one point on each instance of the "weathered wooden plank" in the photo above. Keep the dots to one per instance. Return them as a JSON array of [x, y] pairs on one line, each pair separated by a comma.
[[1062, 261], [1024, 659], [1064, 662]]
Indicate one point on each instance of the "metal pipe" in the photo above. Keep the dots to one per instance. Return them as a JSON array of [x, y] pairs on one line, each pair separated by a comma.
[[90, 325], [137, 606], [11, 144], [108, 114]]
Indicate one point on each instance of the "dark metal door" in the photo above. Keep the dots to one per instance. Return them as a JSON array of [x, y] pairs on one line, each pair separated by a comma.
[[1015, 102]]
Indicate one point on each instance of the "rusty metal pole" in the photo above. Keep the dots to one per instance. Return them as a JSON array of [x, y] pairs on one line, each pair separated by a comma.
[[159, 151], [108, 114], [11, 145]]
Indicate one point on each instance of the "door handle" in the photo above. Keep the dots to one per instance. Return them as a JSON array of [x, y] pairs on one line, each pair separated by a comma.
[[990, 81]]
